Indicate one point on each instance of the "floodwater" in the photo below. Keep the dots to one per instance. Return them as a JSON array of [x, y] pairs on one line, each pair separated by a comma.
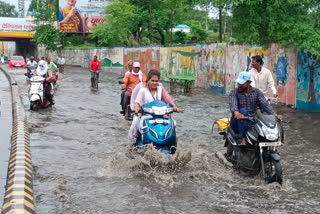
[[80, 166]]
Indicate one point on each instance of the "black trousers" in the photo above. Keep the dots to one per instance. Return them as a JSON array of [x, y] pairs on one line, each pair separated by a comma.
[[48, 95]]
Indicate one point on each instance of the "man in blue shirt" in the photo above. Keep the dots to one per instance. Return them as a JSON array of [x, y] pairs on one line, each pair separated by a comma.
[[243, 102]]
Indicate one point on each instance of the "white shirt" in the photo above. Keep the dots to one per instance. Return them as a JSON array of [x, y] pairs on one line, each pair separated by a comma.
[[32, 65], [262, 80]]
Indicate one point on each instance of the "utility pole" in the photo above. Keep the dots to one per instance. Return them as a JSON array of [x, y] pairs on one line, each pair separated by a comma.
[[21, 8]]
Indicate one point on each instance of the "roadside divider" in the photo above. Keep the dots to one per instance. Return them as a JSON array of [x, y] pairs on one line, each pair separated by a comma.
[[19, 187]]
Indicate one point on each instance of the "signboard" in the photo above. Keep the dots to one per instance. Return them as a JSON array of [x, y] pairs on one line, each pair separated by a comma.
[[17, 27], [78, 16]]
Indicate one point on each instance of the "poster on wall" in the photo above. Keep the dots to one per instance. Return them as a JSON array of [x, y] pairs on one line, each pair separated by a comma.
[[80, 16], [17, 27]]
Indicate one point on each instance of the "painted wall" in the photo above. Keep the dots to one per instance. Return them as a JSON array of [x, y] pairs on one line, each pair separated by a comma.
[[178, 61], [210, 67], [111, 59], [308, 82], [148, 57], [283, 65], [235, 62], [216, 67]]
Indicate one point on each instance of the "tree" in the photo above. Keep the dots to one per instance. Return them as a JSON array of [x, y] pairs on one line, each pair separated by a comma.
[[291, 23], [46, 16], [48, 36], [7, 10], [122, 27], [221, 5], [174, 6]]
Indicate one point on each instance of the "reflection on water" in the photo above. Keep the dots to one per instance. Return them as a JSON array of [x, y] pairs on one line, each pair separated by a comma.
[[79, 155]]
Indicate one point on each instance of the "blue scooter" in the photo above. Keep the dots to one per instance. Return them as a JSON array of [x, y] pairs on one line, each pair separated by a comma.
[[158, 130]]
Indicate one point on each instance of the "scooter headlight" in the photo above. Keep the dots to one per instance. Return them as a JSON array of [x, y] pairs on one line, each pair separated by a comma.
[[271, 134]]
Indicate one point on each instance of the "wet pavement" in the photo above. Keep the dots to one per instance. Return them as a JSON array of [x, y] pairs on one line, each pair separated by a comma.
[[5, 130], [78, 154]]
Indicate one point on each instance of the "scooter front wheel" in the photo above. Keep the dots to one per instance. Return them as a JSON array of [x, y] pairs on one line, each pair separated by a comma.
[[274, 171], [34, 106]]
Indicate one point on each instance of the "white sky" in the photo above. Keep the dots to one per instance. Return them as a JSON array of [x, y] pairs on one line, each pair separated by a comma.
[[15, 3]]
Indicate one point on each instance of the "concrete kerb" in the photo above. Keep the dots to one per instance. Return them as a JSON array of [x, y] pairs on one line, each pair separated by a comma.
[[19, 187]]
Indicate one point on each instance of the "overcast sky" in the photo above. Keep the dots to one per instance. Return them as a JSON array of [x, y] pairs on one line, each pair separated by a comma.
[[15, 3]]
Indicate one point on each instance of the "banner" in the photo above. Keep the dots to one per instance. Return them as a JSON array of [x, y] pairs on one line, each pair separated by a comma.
[[79, 16], [17, 27]]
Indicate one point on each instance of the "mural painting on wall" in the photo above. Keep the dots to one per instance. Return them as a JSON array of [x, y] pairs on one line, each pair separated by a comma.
[[149, 58], [235, 62], [250, 52], [211, 68], [308, 82], [178, 62], [111, 57], [280, 69]]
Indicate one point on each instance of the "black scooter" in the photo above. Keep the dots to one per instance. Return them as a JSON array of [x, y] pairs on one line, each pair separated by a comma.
[[260, 155]]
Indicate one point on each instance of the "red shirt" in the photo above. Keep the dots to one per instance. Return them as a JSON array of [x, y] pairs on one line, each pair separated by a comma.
[[95, 65]]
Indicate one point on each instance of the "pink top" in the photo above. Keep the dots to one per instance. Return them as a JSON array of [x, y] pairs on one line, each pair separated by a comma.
[[144, 96]]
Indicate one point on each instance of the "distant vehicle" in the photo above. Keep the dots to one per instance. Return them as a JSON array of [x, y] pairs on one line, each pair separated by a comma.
[[17, 61]]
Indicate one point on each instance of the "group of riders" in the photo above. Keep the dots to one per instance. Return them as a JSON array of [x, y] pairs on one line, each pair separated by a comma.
[[139, 89], [249, 95], [47, 69]]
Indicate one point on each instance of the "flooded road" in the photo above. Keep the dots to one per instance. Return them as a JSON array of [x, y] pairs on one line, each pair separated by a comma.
[[78, 155]]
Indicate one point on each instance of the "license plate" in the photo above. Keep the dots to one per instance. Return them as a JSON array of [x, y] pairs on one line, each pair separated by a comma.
[[266, 144], [18, 65]]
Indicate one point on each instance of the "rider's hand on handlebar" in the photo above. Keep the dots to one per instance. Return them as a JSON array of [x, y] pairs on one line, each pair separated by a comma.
[[279, 116], [238, 115], [176, 109]]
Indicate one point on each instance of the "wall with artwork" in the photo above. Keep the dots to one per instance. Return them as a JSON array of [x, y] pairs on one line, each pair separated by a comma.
[[283, 65], [215, 67], [149, 58], [308, 81], [178, 61], [210, 67]]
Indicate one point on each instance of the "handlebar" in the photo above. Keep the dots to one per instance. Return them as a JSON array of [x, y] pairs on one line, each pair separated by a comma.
[[250, 119], [120, 82]]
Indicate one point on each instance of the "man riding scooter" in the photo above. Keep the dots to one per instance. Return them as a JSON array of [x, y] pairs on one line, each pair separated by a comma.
[[243, 102], [31, 67], [130, 81]]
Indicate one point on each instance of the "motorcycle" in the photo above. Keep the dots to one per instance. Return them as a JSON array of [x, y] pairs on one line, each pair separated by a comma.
[[156, 129], [260, 155], [127, 112], [36, 93]]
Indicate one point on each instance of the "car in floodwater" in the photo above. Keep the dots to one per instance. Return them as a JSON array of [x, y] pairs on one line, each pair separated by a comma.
[[17, 61]]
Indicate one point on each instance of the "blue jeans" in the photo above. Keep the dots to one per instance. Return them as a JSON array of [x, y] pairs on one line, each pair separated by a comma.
[[241, 126]]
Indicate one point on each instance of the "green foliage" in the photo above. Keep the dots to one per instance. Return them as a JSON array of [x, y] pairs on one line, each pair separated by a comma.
[[121, 27], [48, 36], [46, 14], [46, 11], [180, 37], [291, 23], [146, 41], [7, 10], [136, 20], [199, 32]]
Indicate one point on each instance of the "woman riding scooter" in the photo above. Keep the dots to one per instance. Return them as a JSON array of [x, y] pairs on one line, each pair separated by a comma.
[[153, 91], [43, 71]]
